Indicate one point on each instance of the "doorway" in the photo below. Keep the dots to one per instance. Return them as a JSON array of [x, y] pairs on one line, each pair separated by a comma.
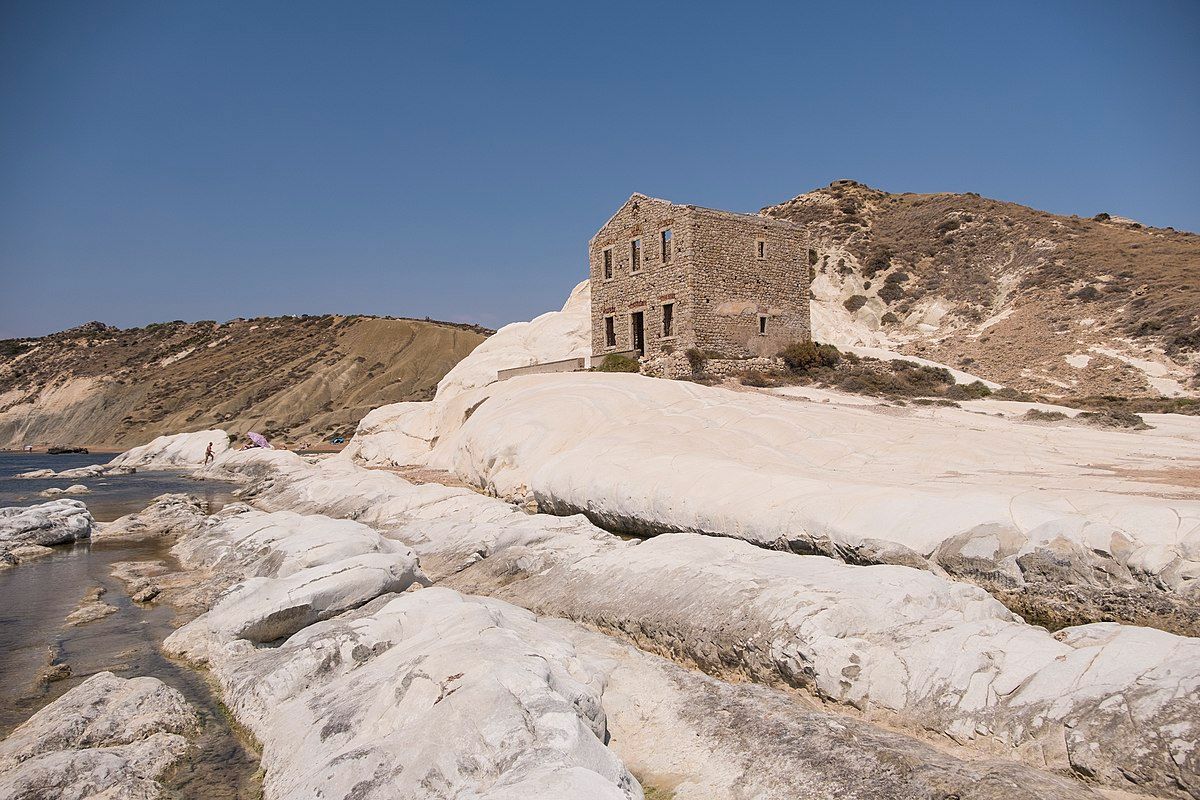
[[637, 324]]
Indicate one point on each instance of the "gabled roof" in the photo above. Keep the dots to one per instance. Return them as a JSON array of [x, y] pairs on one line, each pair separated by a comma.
[[757, 218]]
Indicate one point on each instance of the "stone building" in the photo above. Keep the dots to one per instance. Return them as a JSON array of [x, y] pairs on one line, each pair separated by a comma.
[[666, 278]]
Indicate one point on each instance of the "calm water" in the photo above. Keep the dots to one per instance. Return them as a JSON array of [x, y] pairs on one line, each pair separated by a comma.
[[111, 496], [36, 597]]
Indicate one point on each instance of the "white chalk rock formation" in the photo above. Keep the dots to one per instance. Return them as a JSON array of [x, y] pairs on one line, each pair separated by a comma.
[[1118, 704], [862, 484], [174, 450], [56, 491], [168, 516], [262, 610], [44, 525], [93, 471], [554, 336], [700, 738], [424, 693], [108, 738], [253, 544]]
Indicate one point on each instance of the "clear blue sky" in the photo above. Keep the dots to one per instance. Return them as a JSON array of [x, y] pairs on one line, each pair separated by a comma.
[[206, 160]]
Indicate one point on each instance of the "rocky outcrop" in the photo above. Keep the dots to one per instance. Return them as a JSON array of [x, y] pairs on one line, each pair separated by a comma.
[[429, 692], [108, 737], [91, 608], [55, 491], [94, 471], [168, 516], [43, 525], [861, 484], [553, 336], [265, 610], [696, 738], [175, 450], [1110, 703]]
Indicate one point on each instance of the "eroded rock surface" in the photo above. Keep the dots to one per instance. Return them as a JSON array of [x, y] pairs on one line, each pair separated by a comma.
[[109, 737], [1108, 703], [93, 471], [429, 693], [43, 525], [171, 516], [699, 738], [175, 450]]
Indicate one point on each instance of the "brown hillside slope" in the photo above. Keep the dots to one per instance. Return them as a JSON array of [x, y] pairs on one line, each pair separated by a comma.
[[1041, 302], [293, 378]]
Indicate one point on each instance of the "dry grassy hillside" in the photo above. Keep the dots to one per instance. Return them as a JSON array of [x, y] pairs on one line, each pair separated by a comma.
[[294, 378], [1046, 303]]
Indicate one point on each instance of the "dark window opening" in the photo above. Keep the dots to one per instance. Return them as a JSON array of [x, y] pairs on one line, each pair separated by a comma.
[[666, 245], [638, 329], [610, 333], [668, 319], [762, 324], [762, 248], [635, 254], [608, 264]]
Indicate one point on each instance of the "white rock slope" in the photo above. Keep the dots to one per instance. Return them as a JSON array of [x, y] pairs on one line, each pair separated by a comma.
[[40, 526], [425, 694], [109, 738], [864, 484], [1113, 703]]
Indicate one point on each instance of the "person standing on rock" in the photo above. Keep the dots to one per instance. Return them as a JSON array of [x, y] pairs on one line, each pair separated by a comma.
[[208, 455]]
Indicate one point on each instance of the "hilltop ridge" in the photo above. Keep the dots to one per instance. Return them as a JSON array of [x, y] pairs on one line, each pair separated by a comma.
[[1060, 305], [297, 378]]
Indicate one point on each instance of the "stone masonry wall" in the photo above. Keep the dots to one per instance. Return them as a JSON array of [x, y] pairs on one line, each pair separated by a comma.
[[714, 277], [733, 287], [656, 283]]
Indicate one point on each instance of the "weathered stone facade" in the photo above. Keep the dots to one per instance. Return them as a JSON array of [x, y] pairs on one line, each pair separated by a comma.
[[733, 285]]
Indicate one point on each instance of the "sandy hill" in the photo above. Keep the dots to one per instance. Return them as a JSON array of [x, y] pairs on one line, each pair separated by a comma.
[[292, 377], [1040, 302]]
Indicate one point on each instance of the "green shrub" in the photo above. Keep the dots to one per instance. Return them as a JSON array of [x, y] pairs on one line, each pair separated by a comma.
[[889, 319], [890, 292], [754, 377], [618, 363], [1113, 418], [1103, 216], [696, 358], [1009, 393], [854, 303], [1037, 415], [806, 356], [879, 260], [968, 391]]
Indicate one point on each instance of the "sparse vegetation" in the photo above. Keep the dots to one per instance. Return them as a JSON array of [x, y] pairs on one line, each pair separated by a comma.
[[1037, 415], [696, 359], [618, 363], [1113, 418], [803, 357], [968, 391], [854, 303]]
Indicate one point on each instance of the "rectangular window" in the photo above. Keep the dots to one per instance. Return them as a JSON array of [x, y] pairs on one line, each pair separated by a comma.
[[666, 245], [668, 319], [762, 324], [760, 248], [635, 254], [608, 264], [610, 333]]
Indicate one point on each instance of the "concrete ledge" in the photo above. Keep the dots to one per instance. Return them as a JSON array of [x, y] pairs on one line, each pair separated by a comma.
[[566, 365]]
